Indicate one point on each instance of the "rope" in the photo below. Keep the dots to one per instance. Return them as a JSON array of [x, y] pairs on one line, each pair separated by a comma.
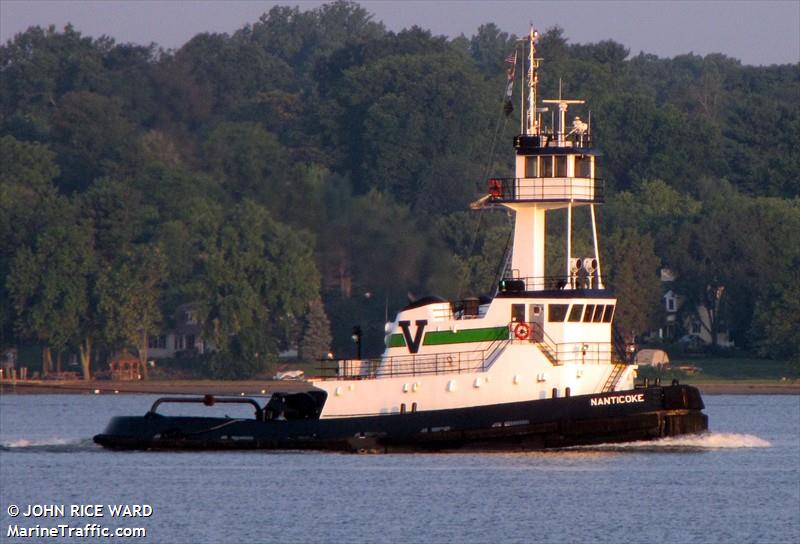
[[214, 428], [490, 162], [506, 254]]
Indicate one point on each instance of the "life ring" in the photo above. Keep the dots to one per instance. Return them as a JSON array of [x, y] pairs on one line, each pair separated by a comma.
[[522, 331]]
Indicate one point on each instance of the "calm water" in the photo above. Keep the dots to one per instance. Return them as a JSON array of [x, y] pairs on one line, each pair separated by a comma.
[[739, 483]]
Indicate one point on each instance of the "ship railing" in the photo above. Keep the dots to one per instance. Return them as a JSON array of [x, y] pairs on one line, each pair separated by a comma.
[[455, 362], [443, 312], [564, 353], [553, 139], [580, 280], [467, 308], [585, 353], [561, 353], [546, 189]]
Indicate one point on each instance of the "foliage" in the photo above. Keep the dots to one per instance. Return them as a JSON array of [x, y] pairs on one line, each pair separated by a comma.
[[252, 273], [775, 332], [316, 341], [229, 365], [48, 280], [127, 299], [317, 153], [631, 269], [26, 184], [742, 367]]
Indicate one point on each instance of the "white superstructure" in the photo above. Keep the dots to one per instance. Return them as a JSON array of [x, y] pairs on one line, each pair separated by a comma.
[[541, 335]]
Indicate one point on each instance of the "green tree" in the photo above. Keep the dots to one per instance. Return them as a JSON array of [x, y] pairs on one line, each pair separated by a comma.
[[775, 332], [93, 138], [127, 294], [119, 216], [655, 208], [364, 239], [254, 273], [476, 244], [740, 244], [316, 340], [375, 141], [250, 160], [39, 67], [631, 270], [490, 47], [301, 38], [26, 185], [48, 281]]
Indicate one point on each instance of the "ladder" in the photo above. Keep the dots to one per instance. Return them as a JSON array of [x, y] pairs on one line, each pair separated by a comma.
[[544, 343], [548, 352], [614, 377]]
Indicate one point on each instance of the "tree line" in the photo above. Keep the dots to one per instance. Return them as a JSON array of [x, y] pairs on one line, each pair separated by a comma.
[[314, 168]]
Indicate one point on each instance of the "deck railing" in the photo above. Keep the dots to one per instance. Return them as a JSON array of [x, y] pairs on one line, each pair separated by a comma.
[[547, 189], [579, 280], [585, 353], [457, 362], [454, 362]]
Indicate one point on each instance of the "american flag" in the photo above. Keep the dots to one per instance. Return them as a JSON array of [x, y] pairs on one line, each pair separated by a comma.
[[512, 58]]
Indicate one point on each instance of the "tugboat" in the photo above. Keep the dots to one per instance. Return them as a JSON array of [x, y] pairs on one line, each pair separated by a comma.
[[533, 367]]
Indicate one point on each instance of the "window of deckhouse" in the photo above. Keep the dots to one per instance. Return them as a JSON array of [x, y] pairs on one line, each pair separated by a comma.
[[547, 167], [557, 312], [561, 167], [587, 317], [518, 313], [576, 313], [531, 167], [583, 166]]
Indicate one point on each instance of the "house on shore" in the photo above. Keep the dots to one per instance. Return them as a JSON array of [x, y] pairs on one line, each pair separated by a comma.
[[185, 339], [687, 324]]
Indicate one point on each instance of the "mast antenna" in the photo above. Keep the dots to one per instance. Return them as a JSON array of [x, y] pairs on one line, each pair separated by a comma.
[[532, 124]]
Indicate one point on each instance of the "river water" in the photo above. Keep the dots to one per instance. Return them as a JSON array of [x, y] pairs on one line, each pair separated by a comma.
[[738, 483]]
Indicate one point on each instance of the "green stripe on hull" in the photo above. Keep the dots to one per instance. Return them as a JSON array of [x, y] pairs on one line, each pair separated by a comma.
[[437, 338]]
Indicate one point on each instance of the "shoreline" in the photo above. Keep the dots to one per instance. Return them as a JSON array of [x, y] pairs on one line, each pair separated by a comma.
[[264, 387], [154, 387]]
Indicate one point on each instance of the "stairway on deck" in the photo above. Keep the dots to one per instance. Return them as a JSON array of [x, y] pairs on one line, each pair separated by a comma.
[[614, 377], [548, 352]]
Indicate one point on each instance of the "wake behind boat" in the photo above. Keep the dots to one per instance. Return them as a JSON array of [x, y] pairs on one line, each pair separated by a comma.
[[533, 367]]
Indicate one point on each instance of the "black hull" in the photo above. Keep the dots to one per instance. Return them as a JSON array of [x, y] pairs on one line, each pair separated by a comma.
[[532, 425]]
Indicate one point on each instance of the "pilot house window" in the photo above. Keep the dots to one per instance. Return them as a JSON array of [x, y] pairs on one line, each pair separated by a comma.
[[576, 313], [557, 312], [583, 166], [531, 167], [547, 167], [561, 167]]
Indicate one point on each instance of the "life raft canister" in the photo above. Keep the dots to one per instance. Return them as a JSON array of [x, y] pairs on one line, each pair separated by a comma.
[[522, 331], [495, 188]]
